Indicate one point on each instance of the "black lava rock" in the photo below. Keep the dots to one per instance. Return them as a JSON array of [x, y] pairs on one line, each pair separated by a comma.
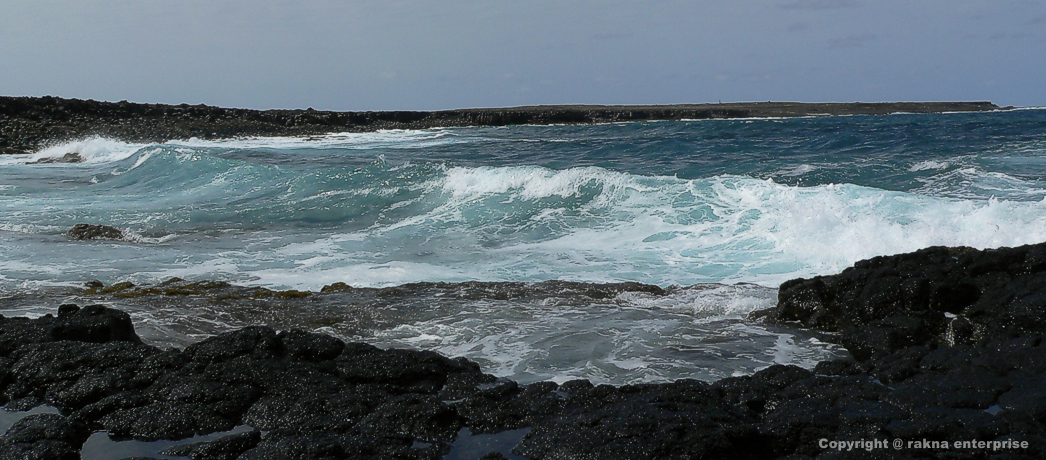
[[948, 345], [94, 232], [227, 448], [939, 295], [71, 157], [43, 437]]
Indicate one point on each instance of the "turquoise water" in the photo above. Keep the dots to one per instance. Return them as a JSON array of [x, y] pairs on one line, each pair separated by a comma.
[[665, 202], [670, 203]]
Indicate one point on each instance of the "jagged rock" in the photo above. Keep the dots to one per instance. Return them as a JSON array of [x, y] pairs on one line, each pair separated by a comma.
[[94, 232], [936, 295], [94, 323], [71, 157]]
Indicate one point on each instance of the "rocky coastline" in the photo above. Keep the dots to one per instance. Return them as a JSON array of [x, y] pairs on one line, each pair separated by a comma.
[[28, 124], [947, 347]]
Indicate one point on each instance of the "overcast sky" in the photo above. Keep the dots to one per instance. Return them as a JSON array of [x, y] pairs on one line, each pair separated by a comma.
[[387, 54]]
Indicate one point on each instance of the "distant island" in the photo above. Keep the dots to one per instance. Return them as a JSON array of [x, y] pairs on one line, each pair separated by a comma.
[[28, 124]]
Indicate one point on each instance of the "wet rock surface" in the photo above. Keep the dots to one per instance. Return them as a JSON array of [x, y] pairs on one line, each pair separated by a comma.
[[94, 232], [468, 290], [71, 157], [28, 124], [948, 346], [937, 296], [44, 436]]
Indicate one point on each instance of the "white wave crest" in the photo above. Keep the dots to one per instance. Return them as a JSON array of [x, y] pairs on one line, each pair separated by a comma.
[[386, 138], [928, 165], [496, 224], [827, 228], [93, 150], [532, 182], [798, 170]]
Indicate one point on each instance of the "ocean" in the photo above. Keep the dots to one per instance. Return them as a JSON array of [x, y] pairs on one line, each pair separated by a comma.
[[717, 212]]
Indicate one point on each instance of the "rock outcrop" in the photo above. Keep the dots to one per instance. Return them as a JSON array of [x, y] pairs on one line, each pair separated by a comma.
[[937, 297], [94, 232]]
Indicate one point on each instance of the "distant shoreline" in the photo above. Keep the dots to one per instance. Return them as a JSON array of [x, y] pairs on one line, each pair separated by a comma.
[[28, 124]]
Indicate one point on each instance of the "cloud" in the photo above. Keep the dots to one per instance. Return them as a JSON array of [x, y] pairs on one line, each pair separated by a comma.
[[1039, 20], [852, 41], [819, 4], [798, 27]]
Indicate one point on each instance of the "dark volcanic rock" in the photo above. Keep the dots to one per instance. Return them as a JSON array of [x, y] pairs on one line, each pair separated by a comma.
[[227, 448], [94, 323], [949, 346], [685, 419], [94, 232], [71, 157], [43, 437], [949, 343], [939, 295], [363, 402]]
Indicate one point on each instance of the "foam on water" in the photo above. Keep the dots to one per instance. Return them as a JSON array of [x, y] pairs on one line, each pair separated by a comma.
[[99, 150], [389, 224], [928, 164], [697, 332], [386, 138], [93, 150]]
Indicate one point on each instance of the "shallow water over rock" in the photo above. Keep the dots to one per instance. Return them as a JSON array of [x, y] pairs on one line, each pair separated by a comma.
[[528, 332]]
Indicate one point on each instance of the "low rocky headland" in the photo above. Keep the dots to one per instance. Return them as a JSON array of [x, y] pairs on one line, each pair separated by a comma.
[[947, 347], [28, 124]]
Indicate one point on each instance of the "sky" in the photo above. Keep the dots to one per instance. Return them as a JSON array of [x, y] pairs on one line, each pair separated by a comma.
[[429, 55]]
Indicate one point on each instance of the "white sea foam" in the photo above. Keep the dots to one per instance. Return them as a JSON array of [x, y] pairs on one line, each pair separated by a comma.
[[313, 276], [523, 223], [826, 228], [93, 150], [27, 228], [393, 138], [709, 300], [928, 165], [589, 224], [96, 150], [798, 170], [530, 183], [973, 183], [625, 342]]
